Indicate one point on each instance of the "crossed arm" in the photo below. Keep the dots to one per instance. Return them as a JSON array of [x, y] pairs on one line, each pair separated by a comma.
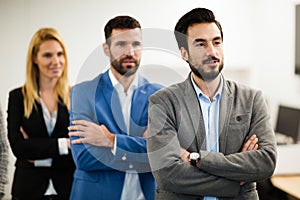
[[64, 146], [94, 142], [91, 133], [250, 144]]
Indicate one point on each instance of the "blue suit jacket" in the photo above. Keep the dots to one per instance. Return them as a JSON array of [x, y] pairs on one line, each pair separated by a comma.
[[99, 174]]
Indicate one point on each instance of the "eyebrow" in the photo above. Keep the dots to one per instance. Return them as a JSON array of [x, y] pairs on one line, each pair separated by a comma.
[[203, 40], [120, 41]]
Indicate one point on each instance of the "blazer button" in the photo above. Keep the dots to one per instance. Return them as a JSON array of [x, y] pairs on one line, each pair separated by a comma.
[[124, 157], [238, 118], [130, 166]]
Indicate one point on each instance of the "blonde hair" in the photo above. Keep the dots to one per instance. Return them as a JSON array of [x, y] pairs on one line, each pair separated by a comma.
[[30, 89]]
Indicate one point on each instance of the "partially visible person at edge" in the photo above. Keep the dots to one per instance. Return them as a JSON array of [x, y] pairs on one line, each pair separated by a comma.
[[109, 116], [3, 156], [223, 128], [38, 119]]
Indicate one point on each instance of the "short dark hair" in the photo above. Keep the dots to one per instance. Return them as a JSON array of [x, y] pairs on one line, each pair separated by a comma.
[[195, 16], [119, 22]]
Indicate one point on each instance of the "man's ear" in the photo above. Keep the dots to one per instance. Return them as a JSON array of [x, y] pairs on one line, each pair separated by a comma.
[[106, 49], [184, 54]]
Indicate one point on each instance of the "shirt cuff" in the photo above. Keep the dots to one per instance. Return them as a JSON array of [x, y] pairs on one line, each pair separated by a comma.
[[63, 146], [43, 162], [114, 149]]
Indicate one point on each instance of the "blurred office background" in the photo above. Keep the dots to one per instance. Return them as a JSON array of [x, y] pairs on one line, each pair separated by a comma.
[[259, 41]]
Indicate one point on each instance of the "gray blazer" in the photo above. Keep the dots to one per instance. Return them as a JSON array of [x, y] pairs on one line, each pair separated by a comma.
[[175, 120]]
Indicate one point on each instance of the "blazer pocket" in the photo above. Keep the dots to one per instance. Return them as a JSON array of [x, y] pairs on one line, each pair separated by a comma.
[[237, 130], [240, 119]]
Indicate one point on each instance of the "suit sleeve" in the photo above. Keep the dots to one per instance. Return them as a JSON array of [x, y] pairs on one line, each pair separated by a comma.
[[130, 153], [247, 166], [169, 171]]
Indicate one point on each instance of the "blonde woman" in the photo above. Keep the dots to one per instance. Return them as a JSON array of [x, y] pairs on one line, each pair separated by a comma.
[[38, 117]]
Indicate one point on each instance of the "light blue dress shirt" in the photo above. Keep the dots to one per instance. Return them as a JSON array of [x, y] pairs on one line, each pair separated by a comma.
[[210, 112]]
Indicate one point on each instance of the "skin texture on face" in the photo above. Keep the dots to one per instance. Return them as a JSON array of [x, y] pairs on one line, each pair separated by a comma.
[[50, 60], [124, 51], [205, 50]]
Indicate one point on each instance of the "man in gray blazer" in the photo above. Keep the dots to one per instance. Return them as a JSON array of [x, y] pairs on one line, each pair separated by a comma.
[[208, 137]]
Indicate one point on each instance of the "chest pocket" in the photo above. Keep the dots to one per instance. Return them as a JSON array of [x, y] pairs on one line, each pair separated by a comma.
[[238, 129]]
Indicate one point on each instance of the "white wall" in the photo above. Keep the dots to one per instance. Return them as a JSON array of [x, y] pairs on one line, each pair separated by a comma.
[[258, 38]]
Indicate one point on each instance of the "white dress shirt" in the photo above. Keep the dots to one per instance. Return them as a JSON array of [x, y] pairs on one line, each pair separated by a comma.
[[132, 187], [50, 121]]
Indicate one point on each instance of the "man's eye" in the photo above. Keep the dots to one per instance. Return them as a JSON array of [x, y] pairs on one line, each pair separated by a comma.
[[136, 44], [218, 43], [121, 44], [200, 44]]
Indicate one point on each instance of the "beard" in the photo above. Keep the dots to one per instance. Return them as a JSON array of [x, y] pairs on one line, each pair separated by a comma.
[[126, 70], [200, 72]]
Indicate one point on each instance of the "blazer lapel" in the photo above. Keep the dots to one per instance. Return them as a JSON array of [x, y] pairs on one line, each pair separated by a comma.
[[108, 107], [224, 115], [194, 109], [41, 116], [58, 120], [139, 109], [62, 120]]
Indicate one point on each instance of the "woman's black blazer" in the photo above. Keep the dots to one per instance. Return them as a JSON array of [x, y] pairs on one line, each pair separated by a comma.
[[31, 182]]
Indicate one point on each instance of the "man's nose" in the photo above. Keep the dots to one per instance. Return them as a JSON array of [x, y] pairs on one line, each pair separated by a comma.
[[210, 50], [130, 50]]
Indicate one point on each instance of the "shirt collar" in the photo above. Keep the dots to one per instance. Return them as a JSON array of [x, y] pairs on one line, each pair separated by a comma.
[[201, 94], [116, 83]]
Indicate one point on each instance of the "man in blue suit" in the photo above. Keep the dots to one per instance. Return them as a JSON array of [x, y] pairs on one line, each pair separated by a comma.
[[109, 116]]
